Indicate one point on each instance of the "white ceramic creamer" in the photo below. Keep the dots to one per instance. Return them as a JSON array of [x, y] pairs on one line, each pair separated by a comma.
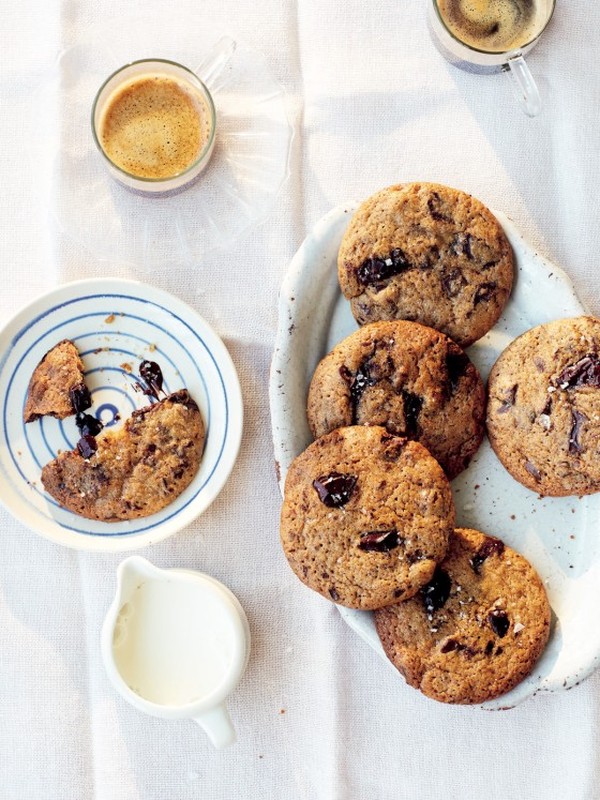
[[175, 644]]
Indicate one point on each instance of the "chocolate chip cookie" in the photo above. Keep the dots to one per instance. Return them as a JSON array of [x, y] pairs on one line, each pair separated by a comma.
[[57, 386], [366, 516], [543, 412], [135, 471], [476, 629], [411, 379], [427, 253]]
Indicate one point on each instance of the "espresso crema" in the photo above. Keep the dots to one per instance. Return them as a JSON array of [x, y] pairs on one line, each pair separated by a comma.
[[495, 26], [154, 126]]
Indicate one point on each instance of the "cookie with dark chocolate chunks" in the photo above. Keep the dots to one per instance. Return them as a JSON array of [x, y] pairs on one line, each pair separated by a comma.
[[543, 409], [366, 516], [428, 253], [471, 634], [411, 379]]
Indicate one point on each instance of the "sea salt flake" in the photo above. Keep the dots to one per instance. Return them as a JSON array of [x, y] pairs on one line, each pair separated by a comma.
[[544, 421]]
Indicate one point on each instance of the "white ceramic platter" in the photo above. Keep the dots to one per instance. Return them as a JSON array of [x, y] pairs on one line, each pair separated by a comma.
[[115, 324], [560, 536]]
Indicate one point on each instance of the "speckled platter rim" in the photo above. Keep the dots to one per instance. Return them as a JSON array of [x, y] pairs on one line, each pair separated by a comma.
[[313, 316]]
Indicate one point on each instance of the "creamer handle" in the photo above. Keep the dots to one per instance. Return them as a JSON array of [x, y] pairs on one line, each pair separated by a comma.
[[218, 726]]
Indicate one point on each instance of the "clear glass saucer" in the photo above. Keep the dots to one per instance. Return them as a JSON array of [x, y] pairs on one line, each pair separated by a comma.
[[237, 190]]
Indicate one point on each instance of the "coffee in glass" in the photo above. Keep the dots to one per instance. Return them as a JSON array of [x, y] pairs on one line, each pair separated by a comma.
[[493, 34]]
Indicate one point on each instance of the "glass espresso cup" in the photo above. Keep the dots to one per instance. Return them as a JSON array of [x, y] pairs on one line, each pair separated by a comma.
[[492, 35], [154, 123]]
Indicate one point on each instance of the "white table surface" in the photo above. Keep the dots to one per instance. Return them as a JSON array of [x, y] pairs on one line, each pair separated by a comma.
[[318, 715]]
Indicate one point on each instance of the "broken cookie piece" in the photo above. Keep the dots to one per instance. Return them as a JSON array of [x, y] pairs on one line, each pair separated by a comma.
[[57, 386], [135, 471]]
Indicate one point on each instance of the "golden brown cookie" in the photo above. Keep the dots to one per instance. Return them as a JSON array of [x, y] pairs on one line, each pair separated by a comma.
[[57, 386], [366, 516], [427, 253], [135, 471], [543, 412], [476, 629], [411, 379]]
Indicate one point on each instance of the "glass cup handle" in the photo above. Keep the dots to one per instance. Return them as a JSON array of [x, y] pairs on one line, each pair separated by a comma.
[[524, 86], [214, 61]]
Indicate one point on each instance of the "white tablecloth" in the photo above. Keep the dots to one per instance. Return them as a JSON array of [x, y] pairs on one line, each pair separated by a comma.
[[319, 716]]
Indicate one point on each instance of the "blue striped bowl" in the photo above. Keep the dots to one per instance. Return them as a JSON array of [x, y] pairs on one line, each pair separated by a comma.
[[115, 324]]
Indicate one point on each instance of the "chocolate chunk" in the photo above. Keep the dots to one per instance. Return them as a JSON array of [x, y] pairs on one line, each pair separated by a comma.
[[88, 425], [539, 364], [378, 269], [87, 446], [499, 622], [533, 470], [577, 419], [484, 292], [457, 364], [379, 541], [437, 591], [586, 372], [80, 397], [547, 409], [509, 399], [412, 408], [453, 282], [453, 646], [435, 204], [450, 645], [461, 245], [372, 270], [333, 594], [357, 383], [491, 546], [151, 373], [488, 648], [335, 489]]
